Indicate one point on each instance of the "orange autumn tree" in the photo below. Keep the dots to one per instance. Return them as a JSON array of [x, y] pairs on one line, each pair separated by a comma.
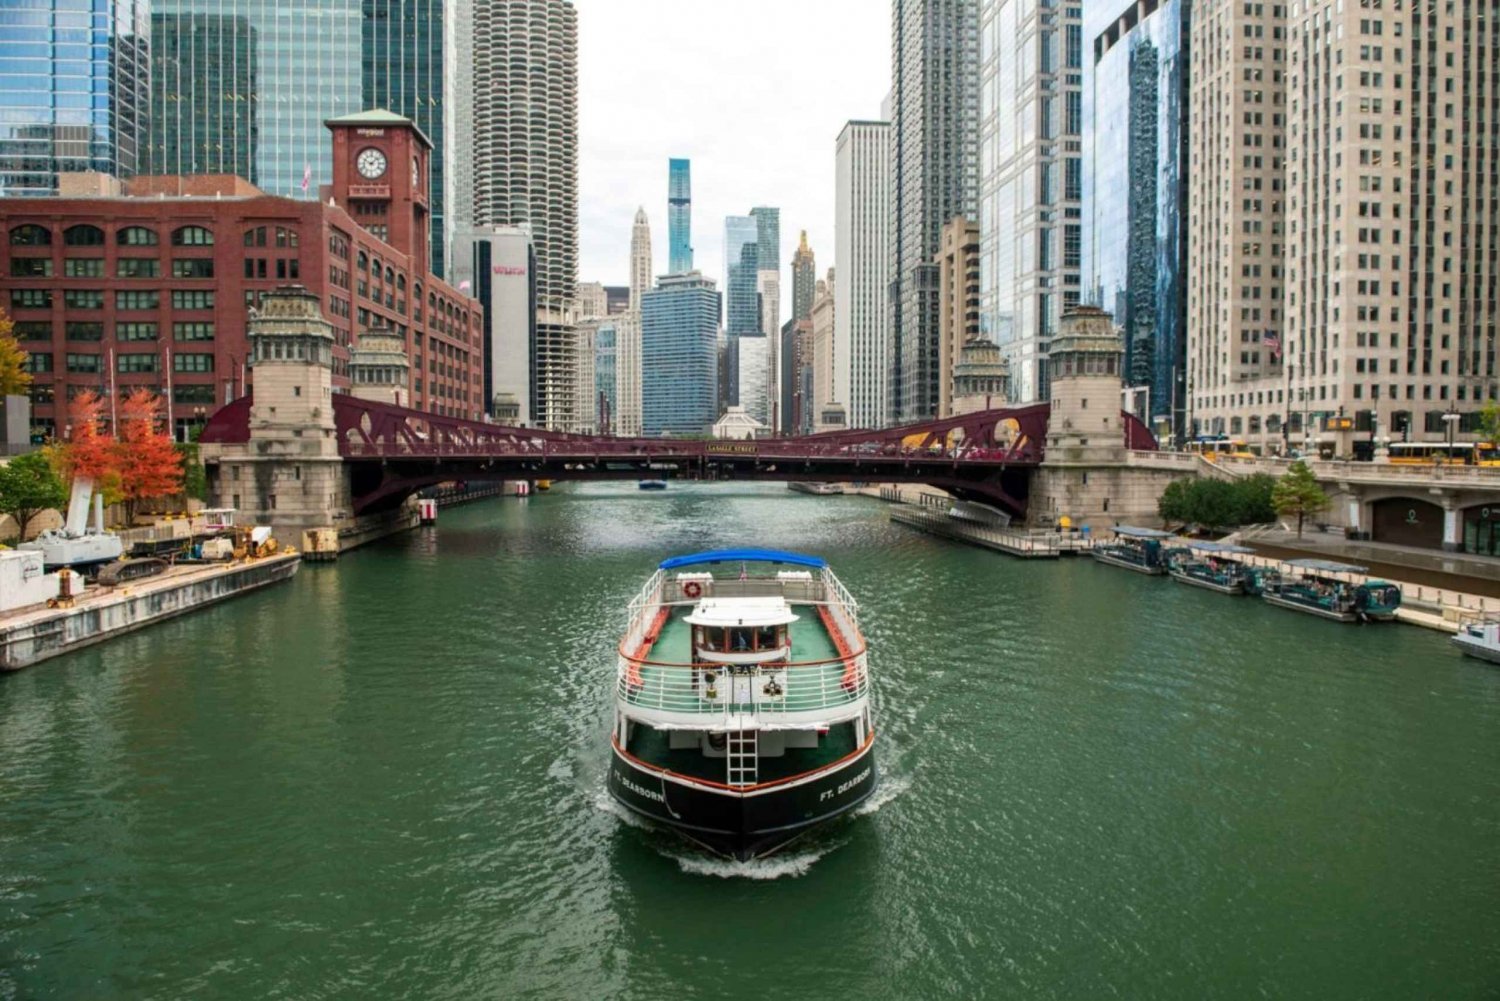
[[89, 450], [146, 460]]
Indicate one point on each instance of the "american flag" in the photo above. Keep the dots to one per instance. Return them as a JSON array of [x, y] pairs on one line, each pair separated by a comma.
[[306, 176], [1273, 344], [464, 285]]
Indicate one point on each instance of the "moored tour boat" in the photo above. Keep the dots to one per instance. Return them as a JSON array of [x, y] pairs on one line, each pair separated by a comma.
[[1318, 589], [1481, 640], [1138, 549], [742, 701], [1206, 565]]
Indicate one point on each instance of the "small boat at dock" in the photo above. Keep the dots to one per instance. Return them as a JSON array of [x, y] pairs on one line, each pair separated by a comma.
[[1207, 565], [1480, 639], [1318, 588], [651, 485], [742, 701], [820, 489], [1138, 549]]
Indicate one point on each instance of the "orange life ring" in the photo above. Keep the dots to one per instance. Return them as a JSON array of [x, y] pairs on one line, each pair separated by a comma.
[[692, 589]]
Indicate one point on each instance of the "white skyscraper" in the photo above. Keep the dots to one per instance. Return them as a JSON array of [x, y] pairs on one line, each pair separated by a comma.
[[640, 258], [768, 285], [861, 312], [628, 331]]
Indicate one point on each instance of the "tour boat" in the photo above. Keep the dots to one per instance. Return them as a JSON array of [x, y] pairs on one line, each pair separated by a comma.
[[1138, 549], [1480, 639], [651, 485], [742, 701], [1205, 565], [1318, 590], [1258, 578]]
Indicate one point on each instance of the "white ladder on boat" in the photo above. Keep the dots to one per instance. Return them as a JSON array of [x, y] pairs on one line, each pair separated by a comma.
[[743, 751]]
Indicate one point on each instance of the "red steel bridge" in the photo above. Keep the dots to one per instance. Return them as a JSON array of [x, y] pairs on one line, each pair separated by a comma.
[[391, 452]]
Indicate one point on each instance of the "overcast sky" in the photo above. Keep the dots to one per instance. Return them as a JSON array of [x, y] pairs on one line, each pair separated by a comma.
[[754, 92]]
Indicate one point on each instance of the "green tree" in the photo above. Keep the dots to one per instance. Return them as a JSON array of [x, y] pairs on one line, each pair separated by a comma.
[[15, 377], [1173, 504], [1252, 499], [1489, 422], [29, 486], [1298, 493], [194, 479]]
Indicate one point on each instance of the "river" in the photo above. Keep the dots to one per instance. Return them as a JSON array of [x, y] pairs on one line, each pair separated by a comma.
[[385, 779]]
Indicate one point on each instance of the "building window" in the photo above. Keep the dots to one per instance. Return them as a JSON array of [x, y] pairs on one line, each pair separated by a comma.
[[83, 236], [39, 362], [33, 330], [193, 393], [83, 267], [84, 298], [192, 331], [30, 236], [255, 237], [83, 363], [135, 332], [193, 267], [192, 236], [192, 299], [30, 298], [81, 330], [128, 363], [41, 393], [136, 236], [138, 267], [31, 267], [192, 363], [286, 237], [147, 299]]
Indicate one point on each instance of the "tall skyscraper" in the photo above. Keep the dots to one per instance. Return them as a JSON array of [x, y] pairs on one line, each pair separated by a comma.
[[499, 266], [679, 364], [640, 258], [861, 311], [804, 280], [405, 46], [203, 73], [1031, 188], [525, 127], [934, 172], [606, 377], [768, 237], [1135, 194], [741, 300], [679, 216], [74, 91], [628, 374], [958, 302], [292, 65], [768, 290]]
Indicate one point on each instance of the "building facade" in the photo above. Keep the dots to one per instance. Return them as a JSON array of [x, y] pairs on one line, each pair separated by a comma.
[[679, 356], [153, 288], [640, 258], [498, 265], [958, 302], [828, 411], [204, 80], [1031, 180], [679, 216], [1135, 197], [804, 279], [74, 93], [934, 175], [627, 420], [525, 129], [862, 317]]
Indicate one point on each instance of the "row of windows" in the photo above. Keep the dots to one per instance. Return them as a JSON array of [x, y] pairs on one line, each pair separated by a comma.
[[126, 363], [125, 267], [85, 235], [89, 299], [93, 330]]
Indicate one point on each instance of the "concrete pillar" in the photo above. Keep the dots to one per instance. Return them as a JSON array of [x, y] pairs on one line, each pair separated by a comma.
[[1453, 540]]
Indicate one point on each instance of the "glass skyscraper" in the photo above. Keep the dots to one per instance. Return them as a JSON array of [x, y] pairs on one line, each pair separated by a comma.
[[768, 237], [1135, 193], [606, 379], [289, 65], [679, 356], [741, 261], [74, 85], [679, 216]]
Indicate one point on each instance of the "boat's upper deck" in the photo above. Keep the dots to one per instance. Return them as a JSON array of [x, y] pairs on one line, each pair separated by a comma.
[[732, 649]]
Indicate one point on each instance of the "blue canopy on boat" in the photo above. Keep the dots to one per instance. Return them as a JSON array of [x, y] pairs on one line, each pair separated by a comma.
[[1326, 566], [744, 556], [1131, 532], [1219, 547]]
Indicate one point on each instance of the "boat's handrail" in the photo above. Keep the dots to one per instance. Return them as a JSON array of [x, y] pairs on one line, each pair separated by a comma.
[[716, 666], [681, 688]]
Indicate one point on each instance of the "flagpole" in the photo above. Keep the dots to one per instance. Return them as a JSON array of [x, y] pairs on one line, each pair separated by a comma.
[[171, 426], [114, 423]]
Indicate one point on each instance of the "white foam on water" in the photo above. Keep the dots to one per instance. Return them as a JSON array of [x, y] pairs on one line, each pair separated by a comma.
[[606, 803], [890, 787], [782, 865]]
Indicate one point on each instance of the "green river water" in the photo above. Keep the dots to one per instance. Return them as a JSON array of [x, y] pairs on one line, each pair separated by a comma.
[[385, 780]]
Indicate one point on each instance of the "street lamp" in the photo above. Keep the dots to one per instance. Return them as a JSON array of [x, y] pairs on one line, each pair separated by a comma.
[[1451, 418]]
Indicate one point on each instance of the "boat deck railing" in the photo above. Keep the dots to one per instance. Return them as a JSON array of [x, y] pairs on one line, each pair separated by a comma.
[[785, 693]]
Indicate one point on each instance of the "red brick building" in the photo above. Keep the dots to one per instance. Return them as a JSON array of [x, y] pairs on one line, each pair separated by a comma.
[[150, 287]]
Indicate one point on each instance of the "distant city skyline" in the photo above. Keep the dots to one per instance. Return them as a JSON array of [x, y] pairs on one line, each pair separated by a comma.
[[634, 118]]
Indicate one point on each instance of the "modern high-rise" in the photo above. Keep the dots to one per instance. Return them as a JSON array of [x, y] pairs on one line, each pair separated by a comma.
[[679, 356], [768, 236], [204, 75], [934, 173], [290, 65], [525, 129], [796, 342], [958, 302], [628, 378], [1031, 183], [74, 91], [408, 53], [1135, 194], [606, 377], [497, 266], [828, 411], [768, 293], [640, 258], [741, 299], [861, 312], [679, 216]]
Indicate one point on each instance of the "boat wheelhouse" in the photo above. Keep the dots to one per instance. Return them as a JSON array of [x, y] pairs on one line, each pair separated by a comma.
[[1138, 549], [1319, 588], [1211, 565], [742, 701], [1480, 639]]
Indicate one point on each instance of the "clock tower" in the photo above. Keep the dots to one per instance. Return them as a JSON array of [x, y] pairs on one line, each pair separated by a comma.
[[380, 177]]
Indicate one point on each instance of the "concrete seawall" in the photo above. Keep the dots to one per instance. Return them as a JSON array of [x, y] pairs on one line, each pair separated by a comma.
[[31, 635]]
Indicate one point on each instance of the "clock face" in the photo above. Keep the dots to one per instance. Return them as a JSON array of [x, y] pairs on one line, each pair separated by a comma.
[[416, 173], [371, 163]]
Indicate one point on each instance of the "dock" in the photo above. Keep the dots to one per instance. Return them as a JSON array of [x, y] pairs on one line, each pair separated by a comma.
[[1026, 545], [36, 633]]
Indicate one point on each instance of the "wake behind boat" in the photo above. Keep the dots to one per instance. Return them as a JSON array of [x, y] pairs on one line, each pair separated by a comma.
[[742, 701]]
